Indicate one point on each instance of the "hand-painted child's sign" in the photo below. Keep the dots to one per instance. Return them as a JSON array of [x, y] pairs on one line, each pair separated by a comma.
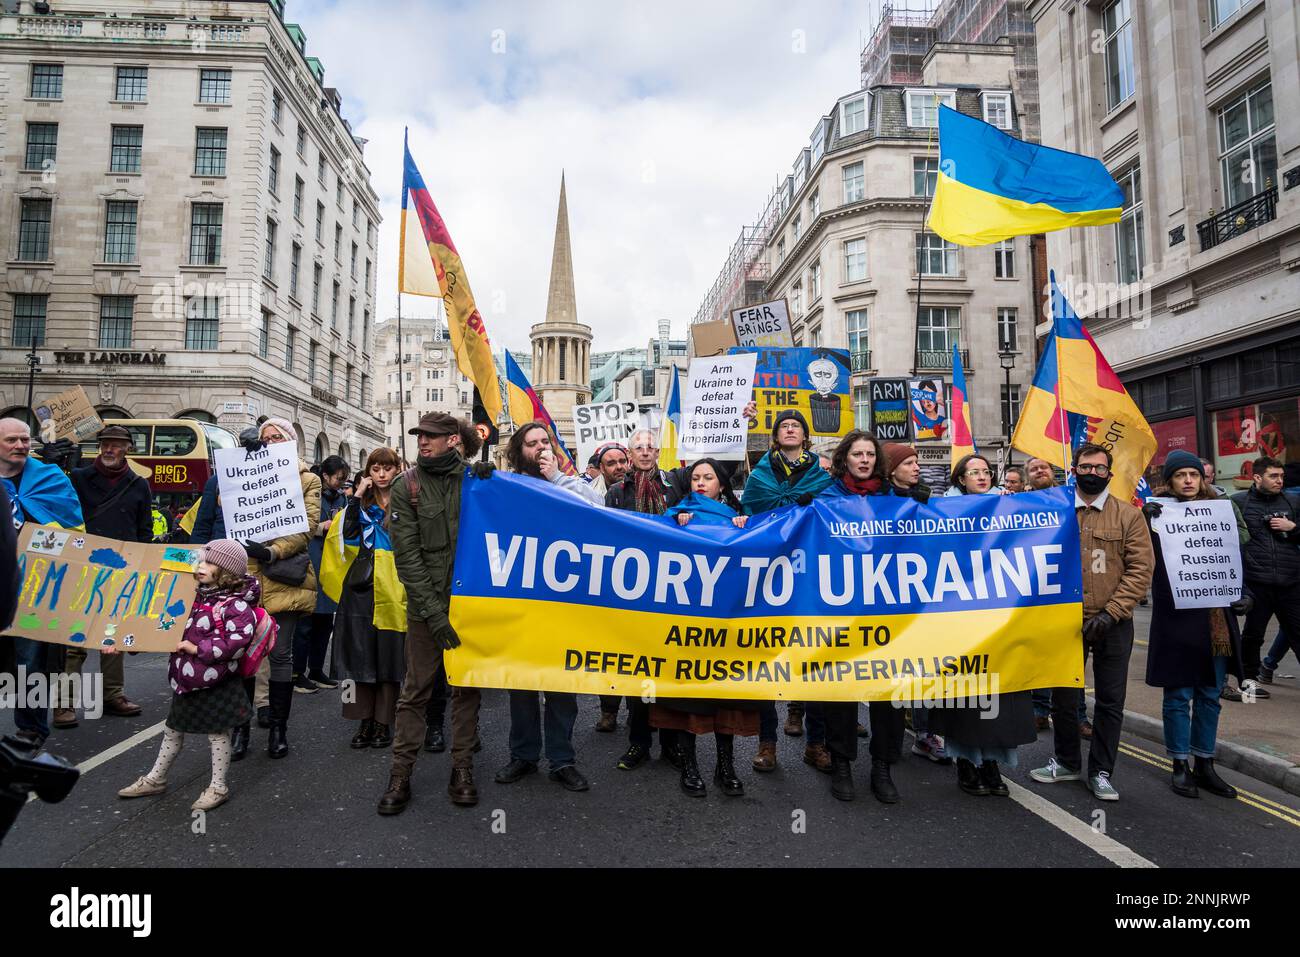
[[94, 592]]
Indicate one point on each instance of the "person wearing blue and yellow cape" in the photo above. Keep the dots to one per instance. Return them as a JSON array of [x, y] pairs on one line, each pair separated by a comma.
[[358, 572], [787, 475], [710, 502]]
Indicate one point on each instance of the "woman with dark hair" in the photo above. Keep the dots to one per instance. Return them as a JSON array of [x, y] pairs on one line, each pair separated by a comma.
[[983, 738], [369, 639], [710, 502]]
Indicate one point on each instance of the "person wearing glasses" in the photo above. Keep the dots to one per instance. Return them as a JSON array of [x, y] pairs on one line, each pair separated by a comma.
[[1117, 561], [983, 739]]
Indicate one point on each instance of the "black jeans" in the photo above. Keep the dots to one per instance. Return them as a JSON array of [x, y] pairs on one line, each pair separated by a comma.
[[886, 730], [1110, 655], [1270, 600], [310, 641]]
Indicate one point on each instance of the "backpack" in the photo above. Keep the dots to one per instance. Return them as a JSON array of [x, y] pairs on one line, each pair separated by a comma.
[[265, 633]]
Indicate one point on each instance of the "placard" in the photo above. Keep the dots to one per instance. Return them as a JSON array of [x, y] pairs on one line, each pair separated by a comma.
[[715, 395], [602, 422], [68, 415], [813, 381], [1201, 550], [928, 403], [261, 494], [889, 419], [766, 324], [92, 592]]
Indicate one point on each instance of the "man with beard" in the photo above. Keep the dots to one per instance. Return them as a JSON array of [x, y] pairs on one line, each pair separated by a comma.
[[611, 461], [116, 503], [1040, 474]]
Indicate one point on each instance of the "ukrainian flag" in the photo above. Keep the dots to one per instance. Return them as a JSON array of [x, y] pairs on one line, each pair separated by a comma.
[[45, 498], [992, 186], [668, 455], [526, 407], [339, 552], [963, 437]]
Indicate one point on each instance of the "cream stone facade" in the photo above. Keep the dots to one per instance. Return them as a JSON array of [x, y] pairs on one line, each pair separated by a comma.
[[188, 222], [427, 377]]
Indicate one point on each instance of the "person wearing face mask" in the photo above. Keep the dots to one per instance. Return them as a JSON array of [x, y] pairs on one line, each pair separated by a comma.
[[1117, 562]]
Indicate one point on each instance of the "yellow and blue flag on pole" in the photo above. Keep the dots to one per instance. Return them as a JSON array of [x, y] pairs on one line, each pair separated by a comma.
[[669, 428], [992, 186], [526, 406], [341, 551]]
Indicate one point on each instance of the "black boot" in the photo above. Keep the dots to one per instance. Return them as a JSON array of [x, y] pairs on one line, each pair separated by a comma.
[[277, 742], [724, 775], [991, 778], [841, 778], [1182, 781], [1208, 778], [434, 740], [365, 734], [383, 736], [692, 783], [968, 779], [882, 785], [239, 742]]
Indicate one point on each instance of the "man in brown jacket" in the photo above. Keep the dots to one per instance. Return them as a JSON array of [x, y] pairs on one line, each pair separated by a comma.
[[1115, 549]]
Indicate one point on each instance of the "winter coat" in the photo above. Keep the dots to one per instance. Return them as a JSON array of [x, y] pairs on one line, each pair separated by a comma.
[[363, 651], [424, 535], [571, 483], [220, 625], [128, 517], [766, 490], [331, 504], [8, 562], [277, 597], [210, 523], [1269, 558]]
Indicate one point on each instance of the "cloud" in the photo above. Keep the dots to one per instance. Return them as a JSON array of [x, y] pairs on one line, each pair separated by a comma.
[[671, 120]]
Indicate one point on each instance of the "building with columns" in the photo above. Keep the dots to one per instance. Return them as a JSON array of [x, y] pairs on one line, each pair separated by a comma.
[[561, 362]]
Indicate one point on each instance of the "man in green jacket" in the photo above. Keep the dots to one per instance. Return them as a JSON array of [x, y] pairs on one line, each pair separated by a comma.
[[425, 515]]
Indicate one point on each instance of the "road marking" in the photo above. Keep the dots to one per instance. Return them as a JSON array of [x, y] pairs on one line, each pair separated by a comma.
[[120, 748], [1109, 848]]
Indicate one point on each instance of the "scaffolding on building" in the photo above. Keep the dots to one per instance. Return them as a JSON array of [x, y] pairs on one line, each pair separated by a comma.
[[897, 48], [745, 273]]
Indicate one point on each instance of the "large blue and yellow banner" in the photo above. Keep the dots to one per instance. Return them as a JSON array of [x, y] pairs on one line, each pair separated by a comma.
[[847, 599]]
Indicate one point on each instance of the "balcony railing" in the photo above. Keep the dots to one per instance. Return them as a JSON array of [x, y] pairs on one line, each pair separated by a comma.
[[861, 361], [1242, 218], [941, 359]]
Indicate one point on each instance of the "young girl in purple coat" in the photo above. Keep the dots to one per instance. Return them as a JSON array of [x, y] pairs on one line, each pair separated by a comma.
[[208, 697]]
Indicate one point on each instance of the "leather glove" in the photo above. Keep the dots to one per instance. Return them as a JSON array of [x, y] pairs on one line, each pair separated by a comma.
[[258, 552], [444, 636], [1152, 510], [1095, 628], [1243, 605], [248, 438], [61, 453], [482, 470], [805, 499]]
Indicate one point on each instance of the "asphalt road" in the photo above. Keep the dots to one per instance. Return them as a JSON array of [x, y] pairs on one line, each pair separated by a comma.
[[317, 808]]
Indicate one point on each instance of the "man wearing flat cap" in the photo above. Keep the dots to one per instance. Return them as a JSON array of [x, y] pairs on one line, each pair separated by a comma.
[[116, 503]]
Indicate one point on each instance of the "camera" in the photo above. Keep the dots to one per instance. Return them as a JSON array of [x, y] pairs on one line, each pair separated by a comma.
[[1276, 533], [24, 769]]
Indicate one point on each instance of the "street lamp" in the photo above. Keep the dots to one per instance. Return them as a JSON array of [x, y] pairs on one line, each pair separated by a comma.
[[33, 367], [1008, 361]]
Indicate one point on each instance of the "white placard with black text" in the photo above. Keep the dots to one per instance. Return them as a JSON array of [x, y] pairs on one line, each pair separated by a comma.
[[261, 494], [1202, 552], [595, 425], [714, 397]]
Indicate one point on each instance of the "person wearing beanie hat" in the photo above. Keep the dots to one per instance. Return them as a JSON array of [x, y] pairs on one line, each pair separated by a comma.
[[228, 554], [903, 472], [789, 415], [1180, 459]]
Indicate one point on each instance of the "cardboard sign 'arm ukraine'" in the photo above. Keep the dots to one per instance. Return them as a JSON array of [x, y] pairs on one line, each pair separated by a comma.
[[844, 600]]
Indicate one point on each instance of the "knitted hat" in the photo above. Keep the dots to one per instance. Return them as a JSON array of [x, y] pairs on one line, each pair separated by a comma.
[[896, 453], [228, 554], [1181, 460], [790, 414], [284, 425]]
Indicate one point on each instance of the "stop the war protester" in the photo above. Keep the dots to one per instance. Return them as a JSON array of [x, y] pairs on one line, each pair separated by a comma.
[[845, 600], [261, 494], [1202, 552], [713, 402], [595, 425], [91, 592], [766, 324], [814, 381]]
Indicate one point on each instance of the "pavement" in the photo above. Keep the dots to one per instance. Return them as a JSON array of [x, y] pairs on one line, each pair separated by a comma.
[[317, 807]]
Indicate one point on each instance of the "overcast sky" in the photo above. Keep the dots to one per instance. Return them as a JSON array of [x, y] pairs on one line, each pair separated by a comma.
[[672, 121]]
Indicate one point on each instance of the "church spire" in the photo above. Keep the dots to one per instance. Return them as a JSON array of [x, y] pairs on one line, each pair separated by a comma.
[[561, 302]]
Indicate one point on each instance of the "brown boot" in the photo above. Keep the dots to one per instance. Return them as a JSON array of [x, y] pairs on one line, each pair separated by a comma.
[[122, 707], [461, 787], [818, 757], [766, 758], [398, 794], [608, 722], [794, 720], [65, 718]]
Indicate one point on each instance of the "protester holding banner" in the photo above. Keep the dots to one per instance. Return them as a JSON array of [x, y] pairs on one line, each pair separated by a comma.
[[423, 522], [711, 502], [903, 469], [358, 570], [1040, 474], [1190, 650], [116, 503], [312, 638], [1013, 480], [1116, 559]]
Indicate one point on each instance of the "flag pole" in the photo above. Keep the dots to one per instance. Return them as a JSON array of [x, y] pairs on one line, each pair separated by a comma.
[[1054, 294], [401, 382]]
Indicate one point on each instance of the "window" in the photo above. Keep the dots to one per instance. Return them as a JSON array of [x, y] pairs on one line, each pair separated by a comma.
[[29, 320], [210, 151], [273, 176], [997, 109], [338, 242], [205, 234], [370, 232], [47, 81], [124, 156], [277, 107], [923, 106], [132, 84], [315, 290], [853, 115], [796, 299], [855, 260], [1248, 145], [330, 382], [1010, 407], [356, 213], [855, 324], [367, 286], [352, 317], [119, 232], [818, 141], [1007, 338], [338, 191], [1128, 231], [214, 86], [1004, 259], [861, 405], [295, 262], [115, 321], [302, 140], [780, 249], [290, 347], [311, 362], [354, 260], [34, 230], [201, 319], [854, 183], [796, 226], [938, 329], [1117, 23], [173, 440], [320, 223], [814, 204], [268, 264], [42, 145], [935, 256], [363, 388], [365, 330], [298, 185], [815, 282], [320, 168], [1220, 10], [264, 336], [815, 338], [925, 175], [334, 307]]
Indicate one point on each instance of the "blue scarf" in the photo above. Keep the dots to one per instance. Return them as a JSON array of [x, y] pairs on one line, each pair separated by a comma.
[[46, 497], [765, 490], [706, 511]]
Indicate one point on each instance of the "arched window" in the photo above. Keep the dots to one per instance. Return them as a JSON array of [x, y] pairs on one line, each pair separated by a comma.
[[302, 440], [345, 453], [361, 459], [322, 450], [198, 415], [112, 412]]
